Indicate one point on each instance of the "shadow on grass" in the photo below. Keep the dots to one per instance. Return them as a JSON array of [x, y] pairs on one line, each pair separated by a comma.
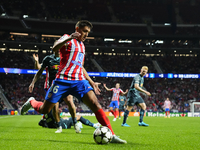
[[132, 144]]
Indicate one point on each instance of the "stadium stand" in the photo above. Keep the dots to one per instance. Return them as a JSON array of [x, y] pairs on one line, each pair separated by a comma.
[[141, 22]]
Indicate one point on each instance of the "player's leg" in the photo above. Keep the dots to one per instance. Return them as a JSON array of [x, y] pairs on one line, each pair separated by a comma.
[[111, 108], [165, 112], [130, 104], [117, 111], [91, 101], [126, 113], [87, 122], [119, 114], [56, 116], [40, 107], [72, 109], [142, 111], [168, 114]]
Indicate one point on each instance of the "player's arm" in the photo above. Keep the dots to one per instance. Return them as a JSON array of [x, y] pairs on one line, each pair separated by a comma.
[[125, 103], [92, 83], [36, 77], [107, 89], [37, 64], [124, 93], [62, 41], [136, 86]]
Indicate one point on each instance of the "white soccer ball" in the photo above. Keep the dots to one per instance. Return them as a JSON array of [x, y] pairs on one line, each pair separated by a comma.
[[102, 135]]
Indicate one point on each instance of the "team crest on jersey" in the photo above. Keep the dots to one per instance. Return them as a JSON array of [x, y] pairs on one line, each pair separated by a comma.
[[49, 95], [141, 85]]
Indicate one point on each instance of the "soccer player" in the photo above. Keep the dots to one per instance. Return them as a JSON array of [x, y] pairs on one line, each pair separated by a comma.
[[51, 63], [135, 98], [167, 106], [66, 123], [115, 99], [122, 104], [72, 78]]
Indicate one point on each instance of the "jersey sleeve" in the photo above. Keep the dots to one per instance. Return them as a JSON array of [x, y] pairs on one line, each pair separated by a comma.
[[137, 80], [62, 38], [121, 91], [112, 89], [45, 62]]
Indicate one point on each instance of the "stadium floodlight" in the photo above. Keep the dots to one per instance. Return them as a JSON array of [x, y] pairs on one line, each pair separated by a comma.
[[109, 39], [159, 42], [167, 24], [25, 16], [3, 14], [125, 41], [195, 109]]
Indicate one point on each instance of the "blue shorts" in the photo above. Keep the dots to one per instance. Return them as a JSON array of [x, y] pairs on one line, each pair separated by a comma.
[[114, 104], [167, 109], [62, 88]]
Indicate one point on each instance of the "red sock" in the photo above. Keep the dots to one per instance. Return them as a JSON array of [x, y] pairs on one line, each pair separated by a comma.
[[103, 120], [166, 113], [112, 112], [36, 105], [117, 113]]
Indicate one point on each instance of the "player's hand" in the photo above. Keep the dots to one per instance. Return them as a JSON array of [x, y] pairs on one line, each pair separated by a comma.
[[126, 90], [104, 85], [149, 94], [35, 57], [75, 35], [31, 86], [96, 88]]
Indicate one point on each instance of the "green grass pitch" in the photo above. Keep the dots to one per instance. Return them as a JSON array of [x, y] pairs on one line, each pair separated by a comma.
[[23, 133]]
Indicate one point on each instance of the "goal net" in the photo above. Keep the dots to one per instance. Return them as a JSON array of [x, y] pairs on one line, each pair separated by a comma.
[[195, 109]]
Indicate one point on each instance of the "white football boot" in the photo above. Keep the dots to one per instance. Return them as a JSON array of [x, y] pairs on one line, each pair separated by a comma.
[[26, 106]]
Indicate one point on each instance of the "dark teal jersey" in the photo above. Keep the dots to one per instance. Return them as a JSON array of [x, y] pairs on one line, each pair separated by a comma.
[[50, 120], [51, 123], [51, 63], [122, 100], [138, 79]]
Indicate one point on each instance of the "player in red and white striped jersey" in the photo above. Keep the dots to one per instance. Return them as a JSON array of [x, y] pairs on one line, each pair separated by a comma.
[[73, 79], [71, 59], [115, 99], [167, 106]]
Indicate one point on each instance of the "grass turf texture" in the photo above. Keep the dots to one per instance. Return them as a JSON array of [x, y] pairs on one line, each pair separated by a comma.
[[23, 132]]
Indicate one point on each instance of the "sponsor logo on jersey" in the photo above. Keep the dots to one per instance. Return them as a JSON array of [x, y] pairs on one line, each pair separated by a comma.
[[55, 67]]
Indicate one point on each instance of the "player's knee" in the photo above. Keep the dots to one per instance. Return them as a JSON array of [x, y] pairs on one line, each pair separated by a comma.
[[45, 111], [144, 107]]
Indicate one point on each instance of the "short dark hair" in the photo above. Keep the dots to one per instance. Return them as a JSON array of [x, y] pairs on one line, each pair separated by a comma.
[[83, 23]]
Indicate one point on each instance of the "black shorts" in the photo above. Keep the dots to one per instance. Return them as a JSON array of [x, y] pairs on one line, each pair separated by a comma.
[[121, 107], [135, 100], [66, 123]]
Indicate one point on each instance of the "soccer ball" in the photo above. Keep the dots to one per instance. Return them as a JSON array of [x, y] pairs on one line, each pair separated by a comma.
[[102, 135]]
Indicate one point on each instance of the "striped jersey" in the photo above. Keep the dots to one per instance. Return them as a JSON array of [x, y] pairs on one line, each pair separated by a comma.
[[72, 56], [116, 94], [167, 104]]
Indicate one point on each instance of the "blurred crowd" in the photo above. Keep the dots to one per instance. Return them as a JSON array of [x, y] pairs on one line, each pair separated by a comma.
[[170, 43], [129, 11], [179, 91]]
